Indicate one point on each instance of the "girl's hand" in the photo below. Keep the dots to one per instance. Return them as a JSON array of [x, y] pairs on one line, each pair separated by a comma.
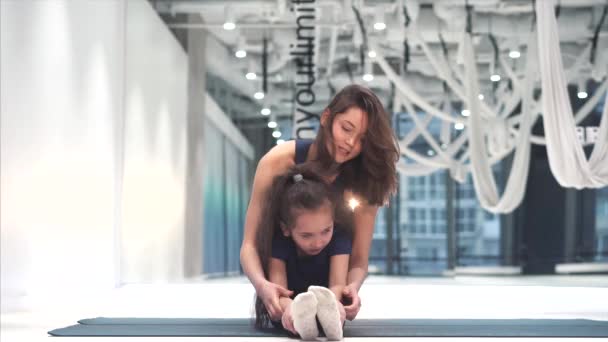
[[287, 320], [269, 293], [350, 297]]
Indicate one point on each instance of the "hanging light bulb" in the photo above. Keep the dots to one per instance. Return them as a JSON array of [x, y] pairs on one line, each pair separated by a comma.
[[379, 24], [368, 76], [251, 71], [229, 19], [582, 89], [240, 48], [514, 50], [276, 134]]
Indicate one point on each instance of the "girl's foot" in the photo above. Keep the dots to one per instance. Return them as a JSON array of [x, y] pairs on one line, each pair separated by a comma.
[[304, 310], [327, 312]]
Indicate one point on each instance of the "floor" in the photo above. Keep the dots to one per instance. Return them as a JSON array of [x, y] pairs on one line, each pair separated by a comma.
[[565, 297]]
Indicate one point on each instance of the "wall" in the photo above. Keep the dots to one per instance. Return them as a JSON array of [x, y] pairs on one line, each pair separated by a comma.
[[156, 71], [61, 86]]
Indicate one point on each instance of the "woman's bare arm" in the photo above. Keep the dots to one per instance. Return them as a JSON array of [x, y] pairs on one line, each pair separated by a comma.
[[275, 162], [364, 219], [277, 273]]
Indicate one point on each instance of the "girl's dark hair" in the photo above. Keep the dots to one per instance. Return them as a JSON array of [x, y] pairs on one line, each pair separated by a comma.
[[287, 196], [372, 174]]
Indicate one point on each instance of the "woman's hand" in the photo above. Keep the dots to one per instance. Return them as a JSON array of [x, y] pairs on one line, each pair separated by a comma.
[[269, 293], [287, 320], [350, 297]]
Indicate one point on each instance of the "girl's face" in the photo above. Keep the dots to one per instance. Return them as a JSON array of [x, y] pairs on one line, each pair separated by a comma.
[[313, 230], [348, 132]]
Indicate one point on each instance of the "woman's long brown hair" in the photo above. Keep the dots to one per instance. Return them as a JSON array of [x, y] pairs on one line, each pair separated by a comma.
[[373, 173], [287, 196]]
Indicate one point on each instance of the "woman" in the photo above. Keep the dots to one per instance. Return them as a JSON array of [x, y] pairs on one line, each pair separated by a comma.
[[356, 148]]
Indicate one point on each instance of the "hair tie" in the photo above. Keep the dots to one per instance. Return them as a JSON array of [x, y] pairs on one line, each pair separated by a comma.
[[297, 177]]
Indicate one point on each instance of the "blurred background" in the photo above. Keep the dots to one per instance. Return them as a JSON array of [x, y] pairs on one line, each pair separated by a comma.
[[131, 131]]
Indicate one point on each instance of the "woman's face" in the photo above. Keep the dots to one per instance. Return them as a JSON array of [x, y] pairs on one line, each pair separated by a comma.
[[348, 132]]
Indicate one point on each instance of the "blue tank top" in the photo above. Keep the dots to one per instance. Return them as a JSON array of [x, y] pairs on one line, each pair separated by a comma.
[[302, 148]]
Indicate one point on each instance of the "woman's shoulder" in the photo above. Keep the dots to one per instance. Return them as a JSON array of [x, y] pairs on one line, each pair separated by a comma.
[[279, 159]]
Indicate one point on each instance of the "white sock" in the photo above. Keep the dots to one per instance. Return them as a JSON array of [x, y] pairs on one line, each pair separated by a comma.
[[327, 312], [304, 310]]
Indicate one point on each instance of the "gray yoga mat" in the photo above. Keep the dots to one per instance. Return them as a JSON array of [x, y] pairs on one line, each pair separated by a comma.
[[215, 327]]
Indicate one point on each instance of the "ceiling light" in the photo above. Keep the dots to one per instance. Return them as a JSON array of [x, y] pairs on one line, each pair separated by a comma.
[[228, 26], [251, 76], [265, 111], [379, 26], [368, 77], [465, 112], [371, 54], [259, 95], [280, 141], [495, 78], [582, 94], [240, 53], [514, 54], [459, 126], [276, 134], [272, 124], [430, 153], [480, 96]]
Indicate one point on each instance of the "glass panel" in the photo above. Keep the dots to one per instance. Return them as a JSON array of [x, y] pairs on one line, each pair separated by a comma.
[[601, 225], [213, 234], [477, 231], [422, 245], [233, 224]]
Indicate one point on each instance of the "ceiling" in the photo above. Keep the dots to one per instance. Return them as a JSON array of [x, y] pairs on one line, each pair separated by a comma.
[[339, 43]]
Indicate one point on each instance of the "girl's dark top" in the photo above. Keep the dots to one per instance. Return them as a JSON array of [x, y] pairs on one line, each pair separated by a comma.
[[303, 271]]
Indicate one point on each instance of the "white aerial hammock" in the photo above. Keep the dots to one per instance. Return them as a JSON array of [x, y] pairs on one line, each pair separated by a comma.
[[509, 132], [480, 130], [567, 159]]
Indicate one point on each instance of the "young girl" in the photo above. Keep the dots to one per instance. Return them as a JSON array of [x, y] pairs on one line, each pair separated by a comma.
[[302, 250], [355, 147]]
